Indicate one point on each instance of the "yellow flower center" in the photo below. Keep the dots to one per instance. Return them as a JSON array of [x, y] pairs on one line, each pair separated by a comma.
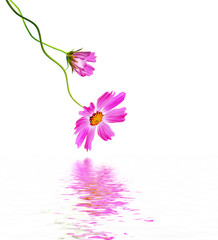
[[96, 118]]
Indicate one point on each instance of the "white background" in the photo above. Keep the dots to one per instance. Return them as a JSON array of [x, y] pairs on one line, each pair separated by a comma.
[[163, 54]]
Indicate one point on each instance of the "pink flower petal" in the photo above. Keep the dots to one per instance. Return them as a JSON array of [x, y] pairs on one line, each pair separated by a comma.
[[80, 72], [104, 99], [104, 131], [81, 136], [81, 124], [88, 111], [82, 55], [79, 63], [115, 101], [88, 69], [87, 56], [91, 57], [89, 138], [115, 115]]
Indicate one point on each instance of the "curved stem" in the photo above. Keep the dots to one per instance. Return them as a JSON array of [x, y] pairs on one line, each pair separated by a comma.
[[30, 32], [40, 40]]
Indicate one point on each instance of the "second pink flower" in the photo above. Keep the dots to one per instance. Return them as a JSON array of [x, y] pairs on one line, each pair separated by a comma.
[[78, 61]]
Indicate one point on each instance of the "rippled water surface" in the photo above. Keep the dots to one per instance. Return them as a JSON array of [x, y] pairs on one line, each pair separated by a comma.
[[120, 199], [95, 204]]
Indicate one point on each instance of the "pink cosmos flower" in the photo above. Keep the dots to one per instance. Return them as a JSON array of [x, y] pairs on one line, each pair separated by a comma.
[[78, 61], [98, 117]]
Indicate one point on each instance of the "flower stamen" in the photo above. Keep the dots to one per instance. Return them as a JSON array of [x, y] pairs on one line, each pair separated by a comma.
[[96, 118]]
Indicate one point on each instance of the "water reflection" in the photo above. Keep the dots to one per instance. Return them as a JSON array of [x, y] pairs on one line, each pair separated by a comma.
[[95, 200], [97, 188]]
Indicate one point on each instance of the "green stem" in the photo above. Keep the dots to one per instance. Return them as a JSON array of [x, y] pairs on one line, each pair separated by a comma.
[[41, 44], [30, 32]]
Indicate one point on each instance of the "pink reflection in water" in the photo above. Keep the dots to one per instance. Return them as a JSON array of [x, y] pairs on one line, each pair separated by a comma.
[[97, 188], [96, 192]]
